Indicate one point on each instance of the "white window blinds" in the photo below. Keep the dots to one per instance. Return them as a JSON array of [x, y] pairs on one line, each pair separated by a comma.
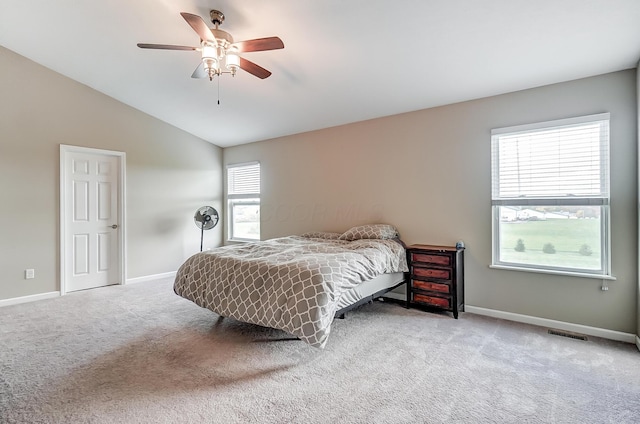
[[563, 161], [243, 180]]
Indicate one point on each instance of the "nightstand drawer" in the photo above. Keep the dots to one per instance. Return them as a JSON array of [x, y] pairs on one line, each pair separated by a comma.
[[441, 302], [443, 274], [431, 259], [429, 286]]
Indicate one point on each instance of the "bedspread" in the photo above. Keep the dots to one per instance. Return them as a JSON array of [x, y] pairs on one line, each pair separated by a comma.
[[289, 283]]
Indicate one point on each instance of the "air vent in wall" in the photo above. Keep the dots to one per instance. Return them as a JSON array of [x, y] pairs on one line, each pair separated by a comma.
[[568, 334]]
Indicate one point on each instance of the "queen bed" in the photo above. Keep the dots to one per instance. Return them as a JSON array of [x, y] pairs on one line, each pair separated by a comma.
[[298, 283]]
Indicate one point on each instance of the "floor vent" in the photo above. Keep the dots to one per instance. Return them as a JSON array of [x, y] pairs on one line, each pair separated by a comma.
[[568, 334]]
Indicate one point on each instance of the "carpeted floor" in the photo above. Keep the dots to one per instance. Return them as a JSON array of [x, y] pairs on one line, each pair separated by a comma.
[[141, 354]]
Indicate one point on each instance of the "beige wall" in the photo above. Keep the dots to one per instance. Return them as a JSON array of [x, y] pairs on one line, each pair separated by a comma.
[[169, 175], [428, 172]]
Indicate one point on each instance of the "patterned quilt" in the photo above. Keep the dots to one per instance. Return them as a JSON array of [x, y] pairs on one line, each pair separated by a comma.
[[289, 283]]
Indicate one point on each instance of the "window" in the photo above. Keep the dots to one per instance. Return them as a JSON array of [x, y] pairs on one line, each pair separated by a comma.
[[243, 197], [550, 196]]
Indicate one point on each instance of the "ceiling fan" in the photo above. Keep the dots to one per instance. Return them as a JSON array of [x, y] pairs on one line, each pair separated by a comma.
[[217, 46]]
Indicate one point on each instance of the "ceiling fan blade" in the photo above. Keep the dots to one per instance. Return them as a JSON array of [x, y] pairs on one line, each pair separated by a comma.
[[165, 47], [259, 44], [199, 26], [254, 69], [199, 72]]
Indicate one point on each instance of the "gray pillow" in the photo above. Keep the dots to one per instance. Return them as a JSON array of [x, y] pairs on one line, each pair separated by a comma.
[[371, 231], [325, 235]]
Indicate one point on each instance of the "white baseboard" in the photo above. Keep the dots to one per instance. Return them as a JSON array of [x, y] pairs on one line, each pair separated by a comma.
[[50, 295], [560, 325], [543, 322], [151, 277], [31, 298]]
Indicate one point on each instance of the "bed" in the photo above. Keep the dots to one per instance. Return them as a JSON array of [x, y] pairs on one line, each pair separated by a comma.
[[298, 283]]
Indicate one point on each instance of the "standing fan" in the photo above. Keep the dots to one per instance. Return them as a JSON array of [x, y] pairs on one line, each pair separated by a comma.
[[206, 218]]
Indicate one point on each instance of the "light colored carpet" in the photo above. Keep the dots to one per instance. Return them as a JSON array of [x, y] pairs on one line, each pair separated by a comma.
[[141, 354]]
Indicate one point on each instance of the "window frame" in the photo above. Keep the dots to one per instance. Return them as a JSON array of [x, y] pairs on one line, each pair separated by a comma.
[[235, 199], [602, 200]]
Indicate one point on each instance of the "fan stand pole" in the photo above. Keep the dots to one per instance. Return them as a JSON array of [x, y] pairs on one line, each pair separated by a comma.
[[201, 236]]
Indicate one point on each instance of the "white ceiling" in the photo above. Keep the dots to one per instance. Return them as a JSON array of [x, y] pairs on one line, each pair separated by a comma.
[[343, 61]]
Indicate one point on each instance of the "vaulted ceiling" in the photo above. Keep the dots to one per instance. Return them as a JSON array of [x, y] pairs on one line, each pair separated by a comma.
[[343, 61]]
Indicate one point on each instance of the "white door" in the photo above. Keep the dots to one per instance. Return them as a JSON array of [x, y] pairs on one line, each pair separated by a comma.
[[90, 219]]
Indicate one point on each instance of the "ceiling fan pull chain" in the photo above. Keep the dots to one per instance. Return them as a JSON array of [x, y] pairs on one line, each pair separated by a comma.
[[218, 90]]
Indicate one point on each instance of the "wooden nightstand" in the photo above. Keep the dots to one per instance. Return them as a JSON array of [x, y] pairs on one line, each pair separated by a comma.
[[436, 277]]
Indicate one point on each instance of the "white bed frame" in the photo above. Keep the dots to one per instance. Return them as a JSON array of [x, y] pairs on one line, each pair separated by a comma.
[[368, 291]]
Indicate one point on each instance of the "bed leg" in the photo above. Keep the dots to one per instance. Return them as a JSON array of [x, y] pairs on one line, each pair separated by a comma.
[[342, 316]]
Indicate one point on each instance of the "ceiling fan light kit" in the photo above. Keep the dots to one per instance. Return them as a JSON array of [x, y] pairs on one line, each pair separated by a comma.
[[218, 49], [214, 53]]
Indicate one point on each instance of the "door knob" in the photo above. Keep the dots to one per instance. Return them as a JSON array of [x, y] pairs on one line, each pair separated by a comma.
[[114, 226]]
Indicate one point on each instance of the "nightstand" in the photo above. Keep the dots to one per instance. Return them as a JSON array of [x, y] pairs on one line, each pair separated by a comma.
[[436, 277]]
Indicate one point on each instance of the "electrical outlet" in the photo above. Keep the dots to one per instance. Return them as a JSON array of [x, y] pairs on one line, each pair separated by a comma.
[[29, 274]]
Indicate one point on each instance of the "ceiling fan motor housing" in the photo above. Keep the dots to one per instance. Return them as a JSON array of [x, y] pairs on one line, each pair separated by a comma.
[[223, 38]]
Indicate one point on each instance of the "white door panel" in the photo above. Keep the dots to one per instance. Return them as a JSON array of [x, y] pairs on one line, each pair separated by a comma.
[[91, 224]]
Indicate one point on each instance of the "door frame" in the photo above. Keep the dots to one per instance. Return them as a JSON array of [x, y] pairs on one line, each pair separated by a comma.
[[65, 150]]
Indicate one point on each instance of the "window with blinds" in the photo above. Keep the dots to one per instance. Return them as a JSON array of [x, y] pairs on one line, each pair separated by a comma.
[[243, 201], [550, 196]]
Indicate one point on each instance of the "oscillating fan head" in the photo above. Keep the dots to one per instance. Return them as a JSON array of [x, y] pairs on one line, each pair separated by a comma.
[[206, 218]]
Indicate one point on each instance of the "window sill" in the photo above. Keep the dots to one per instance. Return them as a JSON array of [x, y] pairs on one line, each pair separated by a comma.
[[555, 272], [239, 240]]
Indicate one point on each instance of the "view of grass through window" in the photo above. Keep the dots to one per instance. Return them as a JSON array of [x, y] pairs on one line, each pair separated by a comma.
[[559, 237], [246, 221]]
